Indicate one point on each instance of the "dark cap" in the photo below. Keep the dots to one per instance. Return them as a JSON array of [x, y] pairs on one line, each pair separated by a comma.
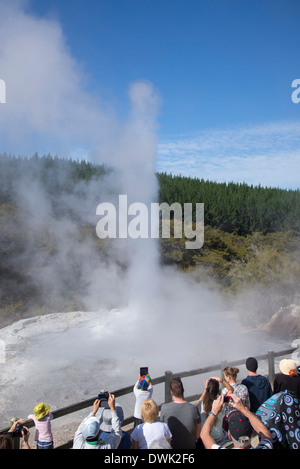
[[251, 364], [239, 425]]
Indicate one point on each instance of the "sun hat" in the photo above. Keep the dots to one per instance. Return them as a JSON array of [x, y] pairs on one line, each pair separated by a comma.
[[145, 382], [288, 367], [239, 426], [41, 410], [90, 428], [105, 421], [251, 364]]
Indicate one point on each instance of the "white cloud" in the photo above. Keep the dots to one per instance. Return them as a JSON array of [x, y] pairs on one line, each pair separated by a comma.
[[268, 155]]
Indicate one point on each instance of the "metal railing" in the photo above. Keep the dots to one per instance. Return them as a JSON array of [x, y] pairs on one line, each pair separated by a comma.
[[166, 378]]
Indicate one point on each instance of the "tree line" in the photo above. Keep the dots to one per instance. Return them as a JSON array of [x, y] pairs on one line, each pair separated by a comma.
[[231, 207], [56, 174]]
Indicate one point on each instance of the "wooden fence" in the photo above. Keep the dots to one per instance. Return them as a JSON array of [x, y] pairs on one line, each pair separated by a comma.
[[166, 378]]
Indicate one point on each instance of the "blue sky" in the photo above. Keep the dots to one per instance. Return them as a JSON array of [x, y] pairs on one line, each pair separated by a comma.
[[223, 70]]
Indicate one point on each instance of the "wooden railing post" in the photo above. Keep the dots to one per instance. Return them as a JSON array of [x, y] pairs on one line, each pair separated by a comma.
[[168, 377], [271, 367]]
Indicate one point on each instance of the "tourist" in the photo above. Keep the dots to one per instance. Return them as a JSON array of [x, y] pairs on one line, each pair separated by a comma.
[[106, 425], [241, 425], [240, 390], [151, 431], [88, 434], [182, 417], [259, 387], [280, 413], [6, 440], [42, 420], [143, 390], [288, 379], [211, 392]]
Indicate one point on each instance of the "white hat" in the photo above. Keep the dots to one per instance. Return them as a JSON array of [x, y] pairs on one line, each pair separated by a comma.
[[288, 367], [90, 428]]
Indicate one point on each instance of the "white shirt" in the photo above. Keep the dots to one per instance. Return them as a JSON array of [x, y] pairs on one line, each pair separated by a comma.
[[140, 396], [147, 433]]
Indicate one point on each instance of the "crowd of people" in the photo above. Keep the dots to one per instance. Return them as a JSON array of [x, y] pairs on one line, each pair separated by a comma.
[[228, 414]]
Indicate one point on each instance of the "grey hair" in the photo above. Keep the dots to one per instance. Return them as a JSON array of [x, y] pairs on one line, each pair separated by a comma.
[[242, 442]]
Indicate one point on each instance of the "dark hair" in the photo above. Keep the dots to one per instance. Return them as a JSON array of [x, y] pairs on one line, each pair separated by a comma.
[[176, 387], [5, 442], [212, 390]]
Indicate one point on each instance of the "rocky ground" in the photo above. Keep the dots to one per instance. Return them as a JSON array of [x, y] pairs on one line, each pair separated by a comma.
[[285, 321]]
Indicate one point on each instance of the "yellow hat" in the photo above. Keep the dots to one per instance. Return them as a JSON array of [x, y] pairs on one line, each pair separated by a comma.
[[41, 410]]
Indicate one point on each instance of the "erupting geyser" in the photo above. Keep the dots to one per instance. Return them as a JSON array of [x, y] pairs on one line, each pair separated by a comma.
[[161, 318]]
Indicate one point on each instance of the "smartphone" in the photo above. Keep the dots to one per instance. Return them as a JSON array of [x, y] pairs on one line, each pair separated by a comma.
[[227, 398], [144, 370]]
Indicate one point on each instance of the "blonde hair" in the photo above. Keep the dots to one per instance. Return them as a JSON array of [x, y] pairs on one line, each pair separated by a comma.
[[231, 371], [149, 411]]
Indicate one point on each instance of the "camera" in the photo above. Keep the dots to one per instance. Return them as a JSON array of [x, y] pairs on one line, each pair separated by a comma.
[[227, 398], [103, 398], [17, 433]]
